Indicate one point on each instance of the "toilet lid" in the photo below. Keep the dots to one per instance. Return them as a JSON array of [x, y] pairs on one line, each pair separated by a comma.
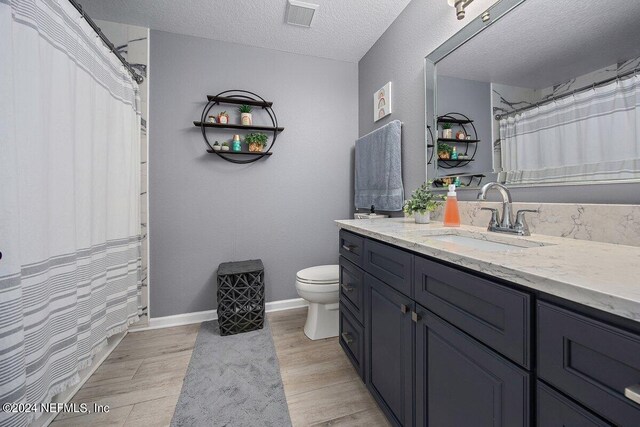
[[322, 274]]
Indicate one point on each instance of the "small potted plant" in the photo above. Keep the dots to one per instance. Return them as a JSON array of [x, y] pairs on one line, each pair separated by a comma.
[[422, 203], [444, 151], [245, 115], [223, 117], [225, 146], [447, 132], [256, 141], [216, 146]]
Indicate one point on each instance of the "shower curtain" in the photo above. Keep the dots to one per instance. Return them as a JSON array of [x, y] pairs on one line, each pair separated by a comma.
[[69, 200], [593, 135]]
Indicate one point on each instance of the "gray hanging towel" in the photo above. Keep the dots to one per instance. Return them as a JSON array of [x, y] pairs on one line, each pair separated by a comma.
[[378, 179]]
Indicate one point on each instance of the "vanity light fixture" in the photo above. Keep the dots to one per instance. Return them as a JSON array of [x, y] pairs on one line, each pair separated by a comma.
[[459, 5], [300, 13]]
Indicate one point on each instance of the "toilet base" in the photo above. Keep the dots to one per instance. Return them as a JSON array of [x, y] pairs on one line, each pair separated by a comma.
[[322, 321]]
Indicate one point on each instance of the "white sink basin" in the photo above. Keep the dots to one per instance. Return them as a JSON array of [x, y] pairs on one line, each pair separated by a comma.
[[483, 245]]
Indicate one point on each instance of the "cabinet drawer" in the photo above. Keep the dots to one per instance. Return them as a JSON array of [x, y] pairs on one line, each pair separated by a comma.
[[391, 265], [351, 247], [352, 340], [555, 410], [352, 288], [590, 361], [494, 314]]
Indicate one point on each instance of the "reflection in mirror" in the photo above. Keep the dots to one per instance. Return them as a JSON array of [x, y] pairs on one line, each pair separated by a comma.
[[546, 93]]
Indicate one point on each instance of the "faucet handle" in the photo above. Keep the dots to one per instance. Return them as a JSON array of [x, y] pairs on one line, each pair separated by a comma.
[[521, 225], [520, 214], [495, 216]]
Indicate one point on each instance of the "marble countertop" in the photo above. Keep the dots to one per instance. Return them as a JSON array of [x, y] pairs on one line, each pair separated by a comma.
[[604, 276]]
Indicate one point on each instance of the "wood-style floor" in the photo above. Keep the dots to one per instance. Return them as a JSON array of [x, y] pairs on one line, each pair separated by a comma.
[[142, 378]]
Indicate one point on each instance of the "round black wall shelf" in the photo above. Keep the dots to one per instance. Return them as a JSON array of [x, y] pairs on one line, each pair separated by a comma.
[[238, 97]]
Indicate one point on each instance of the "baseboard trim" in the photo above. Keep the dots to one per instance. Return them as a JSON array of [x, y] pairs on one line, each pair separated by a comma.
[[205, 316]]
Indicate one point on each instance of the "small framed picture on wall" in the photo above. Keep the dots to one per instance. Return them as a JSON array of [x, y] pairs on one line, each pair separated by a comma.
[[382, 102]]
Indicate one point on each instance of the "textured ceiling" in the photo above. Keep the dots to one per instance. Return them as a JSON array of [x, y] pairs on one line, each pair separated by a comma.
[[342, 30], [543, 42]]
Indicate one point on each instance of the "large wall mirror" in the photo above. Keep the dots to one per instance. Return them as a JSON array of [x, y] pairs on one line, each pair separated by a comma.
[[537, 92]]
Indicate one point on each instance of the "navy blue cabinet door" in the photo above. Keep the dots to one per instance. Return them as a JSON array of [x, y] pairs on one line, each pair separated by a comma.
[[460, 382], [389, 350]]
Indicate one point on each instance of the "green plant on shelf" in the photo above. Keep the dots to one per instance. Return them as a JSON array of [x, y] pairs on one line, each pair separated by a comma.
[[422, 200], [245, 108], [444, 151], [446, 126], [256, 141]]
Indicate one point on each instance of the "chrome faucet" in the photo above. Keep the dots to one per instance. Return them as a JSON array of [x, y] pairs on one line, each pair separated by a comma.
[[505, 223]]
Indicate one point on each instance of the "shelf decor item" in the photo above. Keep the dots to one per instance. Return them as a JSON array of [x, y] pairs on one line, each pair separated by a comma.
[[447, 132], [211, 119], [460, 135], [422, 203], [256, 141], [236, 145], [216, 146], [246, 117], [444, 151], [225, 146], [223, 118]]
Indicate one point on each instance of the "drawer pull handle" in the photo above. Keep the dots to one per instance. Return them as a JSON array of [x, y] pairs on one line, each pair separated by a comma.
[[633, 393], [415, 316], [348, 248], [347, 338], [403, 308], [347, 288]]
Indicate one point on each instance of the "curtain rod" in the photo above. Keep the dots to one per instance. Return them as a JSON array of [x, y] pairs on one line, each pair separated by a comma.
[[137, 77], [581, 89]]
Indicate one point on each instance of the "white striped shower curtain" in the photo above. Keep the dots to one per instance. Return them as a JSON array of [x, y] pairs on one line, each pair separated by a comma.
[[591, 136], [69, 200]]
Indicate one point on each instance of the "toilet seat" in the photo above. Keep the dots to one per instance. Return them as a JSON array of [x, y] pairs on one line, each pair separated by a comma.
[[319, 275]]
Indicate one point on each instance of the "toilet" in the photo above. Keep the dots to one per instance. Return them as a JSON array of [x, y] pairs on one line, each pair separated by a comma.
[[319, 286]]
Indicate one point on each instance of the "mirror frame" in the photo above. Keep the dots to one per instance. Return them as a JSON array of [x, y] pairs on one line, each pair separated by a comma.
[[496, 11]]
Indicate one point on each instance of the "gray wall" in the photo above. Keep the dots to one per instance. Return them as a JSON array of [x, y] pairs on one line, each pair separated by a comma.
[[203, 210], [398, 56]]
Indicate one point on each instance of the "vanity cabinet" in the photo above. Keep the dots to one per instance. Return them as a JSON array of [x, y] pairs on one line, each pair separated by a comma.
[[438, 345], [460, 382], [389, 350]]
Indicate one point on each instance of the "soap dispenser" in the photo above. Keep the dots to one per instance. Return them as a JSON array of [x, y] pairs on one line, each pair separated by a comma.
[[451, 212]]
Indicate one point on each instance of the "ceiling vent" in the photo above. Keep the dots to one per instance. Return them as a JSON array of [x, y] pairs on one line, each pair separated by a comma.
[[300, 13]]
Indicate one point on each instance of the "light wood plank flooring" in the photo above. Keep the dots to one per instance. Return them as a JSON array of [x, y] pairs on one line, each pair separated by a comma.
[[321, 386], [142, 378]]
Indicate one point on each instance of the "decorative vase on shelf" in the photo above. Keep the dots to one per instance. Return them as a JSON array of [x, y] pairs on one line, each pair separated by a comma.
[[447, 133], [237, 145], [255, 148], [246, 119], [422, 218]]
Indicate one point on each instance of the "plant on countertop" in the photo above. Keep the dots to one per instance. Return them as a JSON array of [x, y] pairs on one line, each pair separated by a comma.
[[422, 203], [257, 141], [422, 200], [444, 151], [245, 115]]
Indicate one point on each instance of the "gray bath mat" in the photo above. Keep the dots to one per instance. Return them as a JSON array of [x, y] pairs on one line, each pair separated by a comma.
[[232, 381]]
